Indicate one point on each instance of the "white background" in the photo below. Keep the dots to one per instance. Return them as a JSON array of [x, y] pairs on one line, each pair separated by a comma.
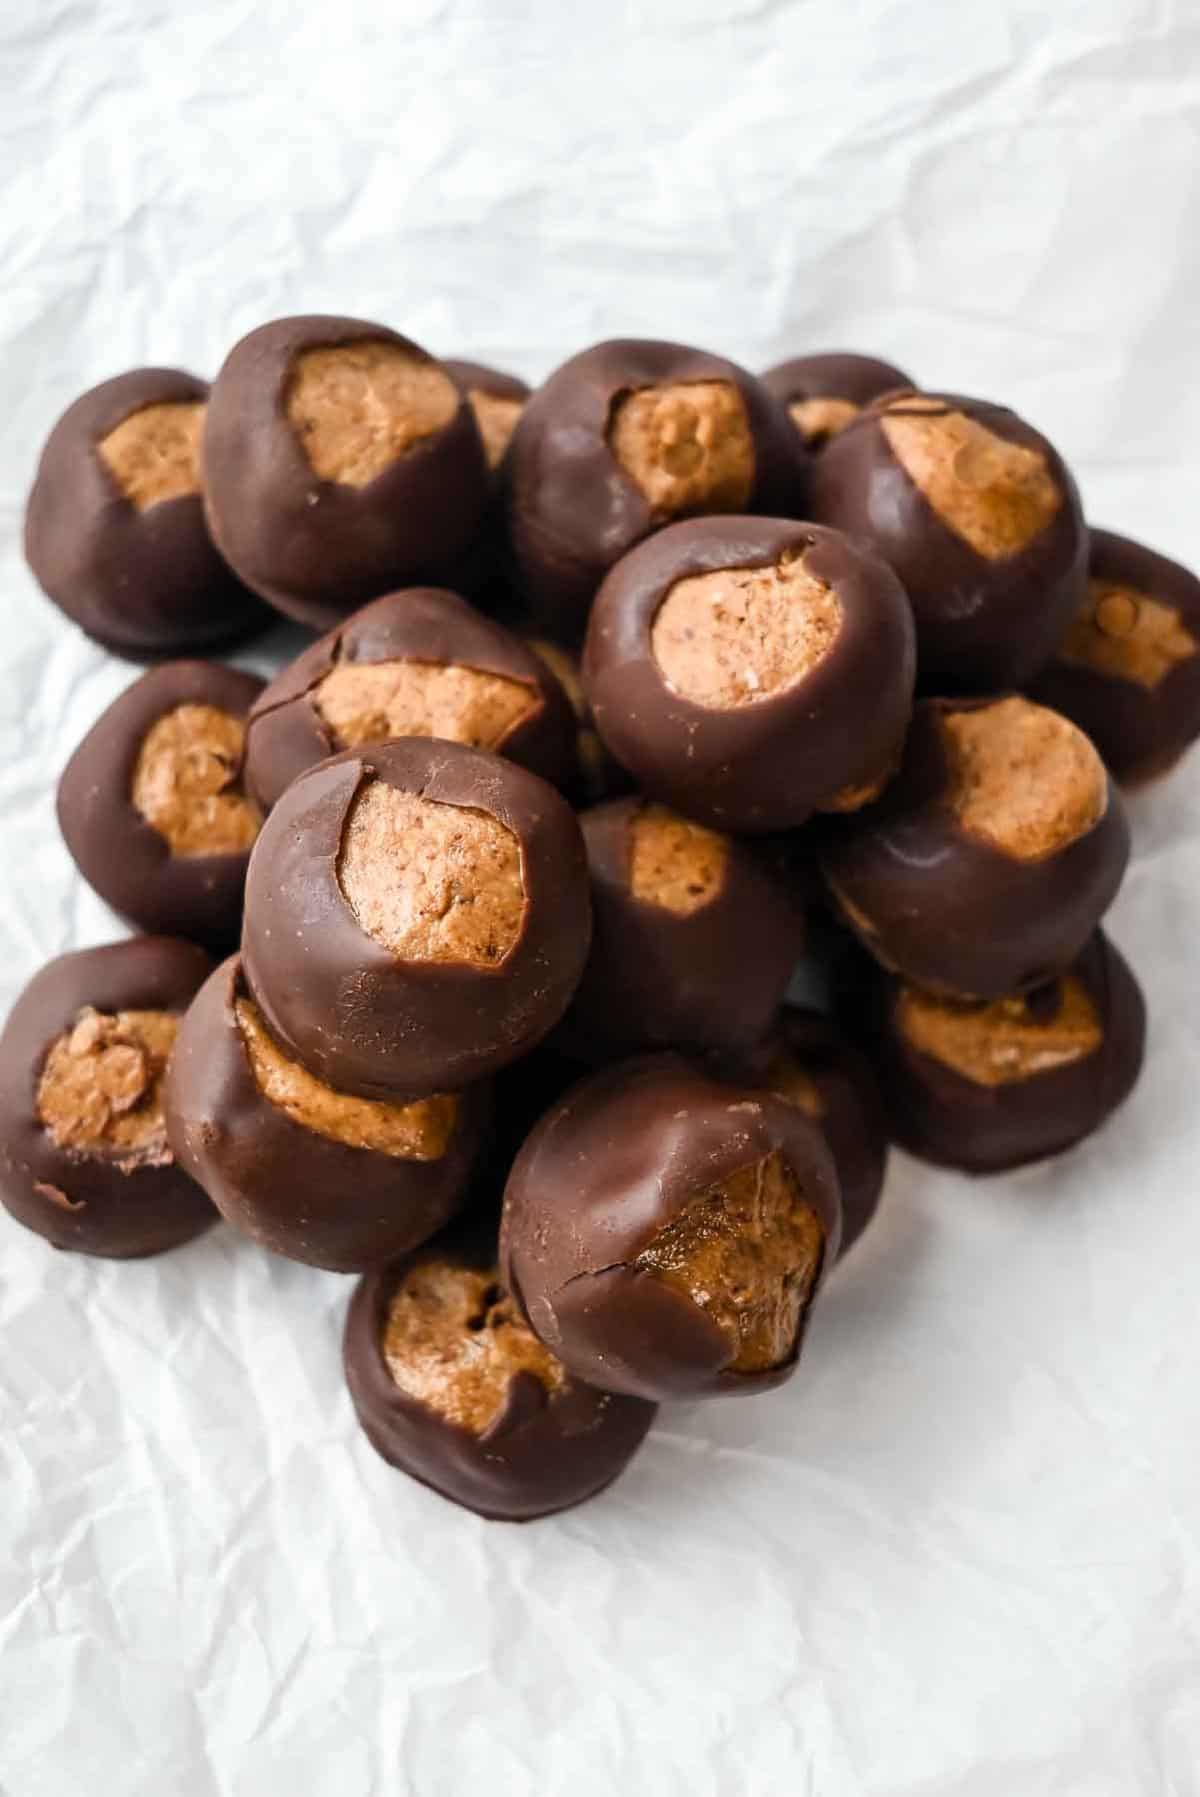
[[957, 1557]]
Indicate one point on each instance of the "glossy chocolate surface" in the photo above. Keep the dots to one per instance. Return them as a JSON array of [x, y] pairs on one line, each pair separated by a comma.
[[767, 765], [544, 1452], [129, 862], [301, 1193], [357, 1015], [145, 582], [610, 1166], [1140, 726], [574, 511], [950, 910], [981, 623], [288, 733], [317, 549], [89, 1202]]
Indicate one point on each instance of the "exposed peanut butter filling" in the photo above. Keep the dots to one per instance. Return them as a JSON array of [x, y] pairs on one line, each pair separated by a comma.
[[819, 419], [996, 495], [747, 1250], [454, 1342], [677, 865], [432, 882], [497, 420], [411, 1132], [1127, 635], [99, 1093], [187, 782], [363, 702], [1023, 778], [741, 635], [154, 454], [1002, 1043], [358, 407], [686, 446], [787, 1079]]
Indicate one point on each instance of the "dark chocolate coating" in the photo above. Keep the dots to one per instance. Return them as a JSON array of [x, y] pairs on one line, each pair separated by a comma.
[[484, 571], [944, 1117], [713, 978], [981, 624], [354, 1014], [608, 1167], [574, 511], [297, 1192], [81, 1201], [287, 733], [121, 856], [545, 1452], [317, 549], [1140, 731], [852, 1118], [835, 374], [769, 765], [144, 583], [950, 910]]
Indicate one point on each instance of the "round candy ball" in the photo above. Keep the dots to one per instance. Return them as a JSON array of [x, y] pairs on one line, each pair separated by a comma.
[[751, 671], [114, 528], [340, 461], [825, 393], [84, 1156], [980, 518], [666, 1234]]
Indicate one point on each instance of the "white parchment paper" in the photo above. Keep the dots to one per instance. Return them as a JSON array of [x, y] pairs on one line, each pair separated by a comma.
[[957, 1556]]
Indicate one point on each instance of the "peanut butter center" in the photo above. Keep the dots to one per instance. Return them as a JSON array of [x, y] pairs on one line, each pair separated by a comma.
[[1023, 778], [674, 864], [1006, 1041], [359, 407], [788, 1080], [363, 702], [497, 420], [187, 782], [819, 419], [741, 635], [686, 446], [996, 495], [154, 454], [1127, 635], [411, 1132], [747, 1250], [99, 1093], [453, 1341], [429, 881]]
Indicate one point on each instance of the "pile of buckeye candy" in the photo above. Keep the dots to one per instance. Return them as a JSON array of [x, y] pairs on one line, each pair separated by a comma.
[[633, 694]]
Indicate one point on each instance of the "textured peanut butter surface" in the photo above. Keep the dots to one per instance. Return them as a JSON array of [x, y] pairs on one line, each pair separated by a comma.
[[431, 882], [371, 701], [1023, 778], [154, 454], [819, 419], [747, 1250], [1127, 635], [358, 407], [996, 495], [1001, 1043], [686, 446], [497, 420], [187, 782], [415, 1132], [454, 1342], [787, 1078], [677, 865], [99, 1092], [741, 635]]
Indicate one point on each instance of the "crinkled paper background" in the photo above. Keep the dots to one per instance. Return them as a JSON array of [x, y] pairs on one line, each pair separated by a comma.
[[957, 1557]]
